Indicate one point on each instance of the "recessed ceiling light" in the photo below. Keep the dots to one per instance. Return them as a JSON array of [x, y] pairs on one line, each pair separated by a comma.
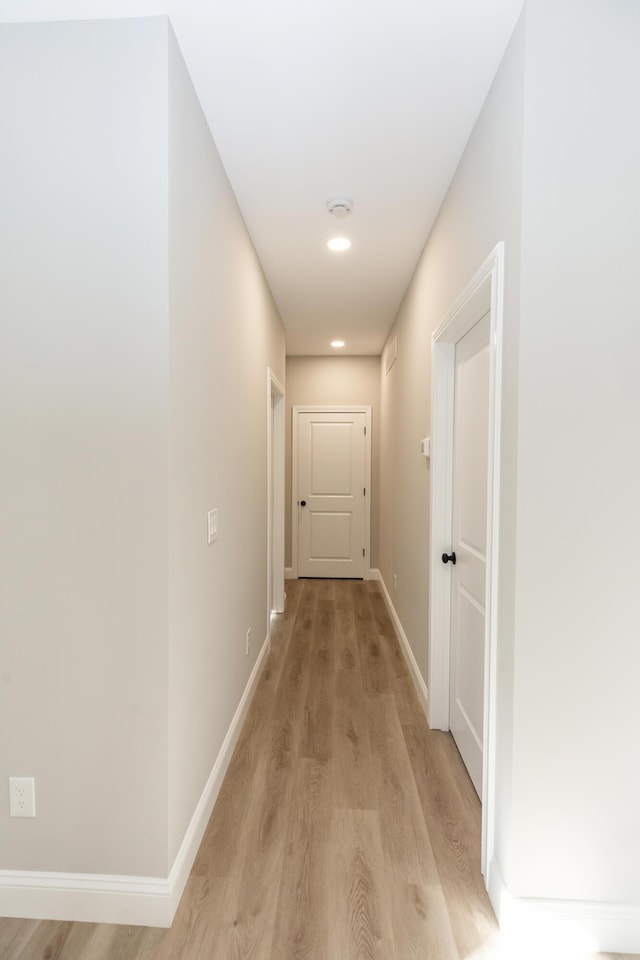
[[339, 243], [337, 343]]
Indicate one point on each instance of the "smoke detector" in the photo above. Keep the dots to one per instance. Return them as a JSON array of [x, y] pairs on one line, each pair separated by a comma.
[[340, 207]]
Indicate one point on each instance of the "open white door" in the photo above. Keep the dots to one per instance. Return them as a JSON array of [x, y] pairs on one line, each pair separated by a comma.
[[465, 500], [469, 547]]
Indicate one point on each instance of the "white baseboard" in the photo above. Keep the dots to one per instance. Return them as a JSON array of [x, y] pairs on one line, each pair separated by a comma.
[[370, 574], [416, 676], [542, 927], [86, 897], [143, 901]]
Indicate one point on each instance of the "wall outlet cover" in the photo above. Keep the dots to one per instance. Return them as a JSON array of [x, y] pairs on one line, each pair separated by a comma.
[[22, 797]]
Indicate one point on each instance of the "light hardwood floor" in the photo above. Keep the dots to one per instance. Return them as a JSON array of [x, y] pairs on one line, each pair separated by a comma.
[[345, 829]]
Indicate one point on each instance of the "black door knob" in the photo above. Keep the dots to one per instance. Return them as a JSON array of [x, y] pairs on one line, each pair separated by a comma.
[[303, 503], [449, 557]]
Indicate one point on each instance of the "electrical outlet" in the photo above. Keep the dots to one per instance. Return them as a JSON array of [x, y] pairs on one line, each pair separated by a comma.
[[22, 797], [395, 583], [248, 646]]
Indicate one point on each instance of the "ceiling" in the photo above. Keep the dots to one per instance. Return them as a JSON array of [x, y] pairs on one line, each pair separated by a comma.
[[312, 99]]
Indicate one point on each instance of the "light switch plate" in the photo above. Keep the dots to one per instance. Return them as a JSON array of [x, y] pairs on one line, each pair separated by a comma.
[[212, 525]]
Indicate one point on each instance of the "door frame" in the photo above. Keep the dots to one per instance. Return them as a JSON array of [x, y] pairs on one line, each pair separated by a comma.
[[484, 291], [275, 496], [324, 408]]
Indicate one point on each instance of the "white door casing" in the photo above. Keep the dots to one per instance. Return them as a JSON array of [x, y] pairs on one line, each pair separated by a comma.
[[275, 495], [469, 543], [331, 491], [483, 293]]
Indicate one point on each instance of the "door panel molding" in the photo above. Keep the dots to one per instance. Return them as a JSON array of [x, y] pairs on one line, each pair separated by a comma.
[[485, 291], [319, 409]]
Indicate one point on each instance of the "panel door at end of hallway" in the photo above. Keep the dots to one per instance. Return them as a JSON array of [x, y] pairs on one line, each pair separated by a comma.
[[331, 494], [469, 529]]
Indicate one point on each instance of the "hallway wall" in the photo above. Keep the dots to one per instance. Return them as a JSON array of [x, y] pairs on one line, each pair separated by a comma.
[[577, 663], [334, 380], [224, 331], [84, 440], [481, 208], [551, 169], [136, 332]]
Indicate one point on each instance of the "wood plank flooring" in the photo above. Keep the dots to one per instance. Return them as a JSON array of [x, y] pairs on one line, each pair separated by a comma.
[[345, 829]]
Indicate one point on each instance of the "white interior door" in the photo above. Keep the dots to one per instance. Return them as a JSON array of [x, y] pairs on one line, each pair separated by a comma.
[[331, 455], [469, 536]]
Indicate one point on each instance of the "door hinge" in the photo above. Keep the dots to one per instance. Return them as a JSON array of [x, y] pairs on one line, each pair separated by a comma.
[[363, 551], [365, 431], [364, 491]]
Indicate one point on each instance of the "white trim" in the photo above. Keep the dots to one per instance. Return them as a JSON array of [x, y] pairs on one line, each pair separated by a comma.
[[585, 927], [325, 408], [485, 290], [372, 573], [142, 901], [405, 646], [288, 573], [441, 507], [189, 847], [275, 495], [86, 898]]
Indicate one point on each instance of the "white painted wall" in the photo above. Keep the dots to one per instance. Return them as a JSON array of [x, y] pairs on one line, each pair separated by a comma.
[[136, 332], [481, 208], [334, 380], [83, 434], [551, 169], [224, 332], [576, 780]]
